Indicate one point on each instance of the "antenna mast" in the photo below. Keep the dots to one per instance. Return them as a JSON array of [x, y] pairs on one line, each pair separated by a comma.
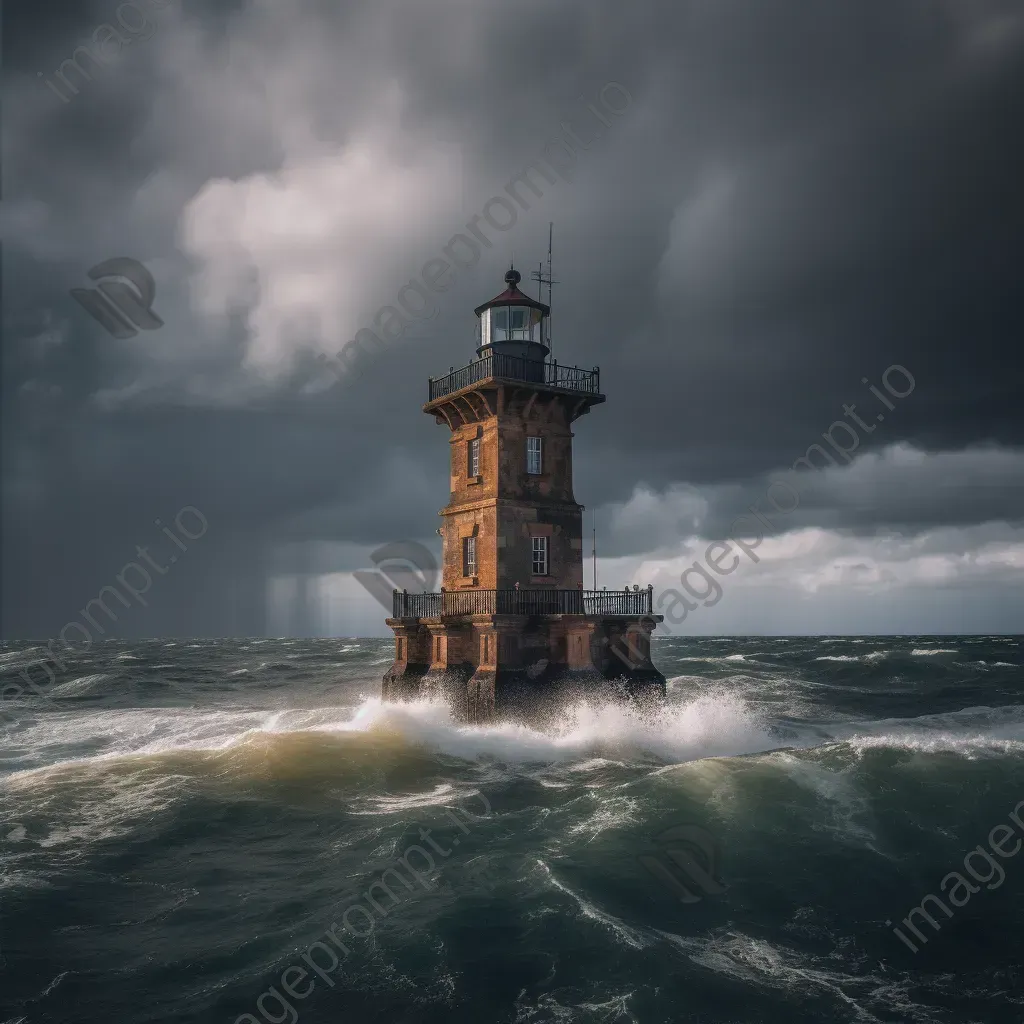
[[594, 514], [541, 278]]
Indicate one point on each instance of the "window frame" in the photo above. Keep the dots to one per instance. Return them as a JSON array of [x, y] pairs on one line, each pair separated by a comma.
[[499, 320], [473, 458], [540, 455], [469, 556], [539, 547]]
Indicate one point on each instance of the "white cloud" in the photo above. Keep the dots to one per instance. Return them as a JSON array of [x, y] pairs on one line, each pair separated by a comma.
[[824, 576]]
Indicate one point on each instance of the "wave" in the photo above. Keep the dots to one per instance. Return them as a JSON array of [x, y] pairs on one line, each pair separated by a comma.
[[83, 684], [923, 652], [715, 724], [443, 793], [969, 732], [15, 661], [106, 806], [719, 660], [625, 933], [873, 656]]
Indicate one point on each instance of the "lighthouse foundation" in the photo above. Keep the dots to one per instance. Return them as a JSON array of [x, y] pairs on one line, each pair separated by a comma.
[[524, 668]]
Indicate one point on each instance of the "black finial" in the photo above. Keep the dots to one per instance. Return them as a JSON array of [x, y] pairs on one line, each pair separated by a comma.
[[513, 277]]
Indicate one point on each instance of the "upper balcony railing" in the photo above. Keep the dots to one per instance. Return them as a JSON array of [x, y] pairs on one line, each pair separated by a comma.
[[498, 364], [523, 602]]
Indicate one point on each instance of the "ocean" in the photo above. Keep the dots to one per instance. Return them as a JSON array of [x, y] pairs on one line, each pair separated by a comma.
[[810, 830]]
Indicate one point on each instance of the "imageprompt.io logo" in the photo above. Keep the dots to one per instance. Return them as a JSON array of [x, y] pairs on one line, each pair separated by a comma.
[[687, 863], [403, 565], [122, 301]]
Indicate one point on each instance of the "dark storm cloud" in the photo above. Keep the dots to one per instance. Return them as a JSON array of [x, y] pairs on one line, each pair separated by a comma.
[[799, 196]]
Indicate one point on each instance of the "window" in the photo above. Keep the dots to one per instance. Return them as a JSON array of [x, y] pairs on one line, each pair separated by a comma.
[[469, 556], [513, 323], [519, 324], [533, 459], [474, 457], [540, 556]]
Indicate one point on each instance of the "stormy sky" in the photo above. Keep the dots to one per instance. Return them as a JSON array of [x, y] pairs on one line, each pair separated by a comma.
[[762, 205]]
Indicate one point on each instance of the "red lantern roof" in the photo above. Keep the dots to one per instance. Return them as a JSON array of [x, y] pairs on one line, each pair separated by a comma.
[[512, 296]]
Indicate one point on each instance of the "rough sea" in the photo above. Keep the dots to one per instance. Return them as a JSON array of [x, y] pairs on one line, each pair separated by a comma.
[[238, 830]]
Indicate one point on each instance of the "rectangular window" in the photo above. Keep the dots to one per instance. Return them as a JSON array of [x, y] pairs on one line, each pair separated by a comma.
[[474, 457], [469, 556], [540, 556], [533, 459]]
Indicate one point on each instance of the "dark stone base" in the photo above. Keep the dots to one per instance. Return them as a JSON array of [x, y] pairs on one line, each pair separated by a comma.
[[517, 695], [523, 668]]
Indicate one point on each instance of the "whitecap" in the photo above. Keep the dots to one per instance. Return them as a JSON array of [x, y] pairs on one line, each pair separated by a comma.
[[968, 732], [873, 656], [76, 687], [715, 724], [441, 794]]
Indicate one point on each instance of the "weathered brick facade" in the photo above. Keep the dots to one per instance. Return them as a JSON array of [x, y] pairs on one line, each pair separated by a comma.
[[504, 507]]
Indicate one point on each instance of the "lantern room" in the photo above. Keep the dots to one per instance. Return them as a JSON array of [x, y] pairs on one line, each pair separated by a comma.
[[512, 324]]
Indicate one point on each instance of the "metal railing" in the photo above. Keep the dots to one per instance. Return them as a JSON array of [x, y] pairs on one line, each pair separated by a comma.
[[496, 364], [522, 602]]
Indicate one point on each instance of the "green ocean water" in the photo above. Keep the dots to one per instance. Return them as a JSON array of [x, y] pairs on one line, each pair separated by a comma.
[[237, 830]]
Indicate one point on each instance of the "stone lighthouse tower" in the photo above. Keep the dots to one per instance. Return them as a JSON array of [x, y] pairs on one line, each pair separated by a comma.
[[512, 631]]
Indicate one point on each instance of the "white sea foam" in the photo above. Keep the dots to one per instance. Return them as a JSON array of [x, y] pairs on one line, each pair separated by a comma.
[[924, 652], [713, 725], [12, 659], [719, 660], [873, 656], [728, 720], [623, 932], [443, 793], [756, 961], [107, 807], [76, 687], [607, 814], [969, 732]]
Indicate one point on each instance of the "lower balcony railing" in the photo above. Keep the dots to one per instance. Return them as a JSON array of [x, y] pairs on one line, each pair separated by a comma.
[[523, 602]]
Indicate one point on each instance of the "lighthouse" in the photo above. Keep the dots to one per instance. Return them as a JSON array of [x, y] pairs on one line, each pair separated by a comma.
[[512, 634]]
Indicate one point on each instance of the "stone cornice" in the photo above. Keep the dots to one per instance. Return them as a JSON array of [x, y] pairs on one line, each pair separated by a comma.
[[474, 506]]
